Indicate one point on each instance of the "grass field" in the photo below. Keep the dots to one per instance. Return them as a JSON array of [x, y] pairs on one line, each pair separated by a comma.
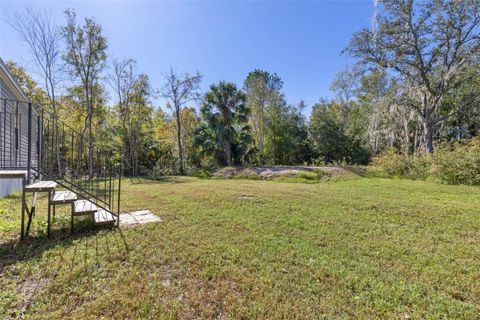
[[361, 248]]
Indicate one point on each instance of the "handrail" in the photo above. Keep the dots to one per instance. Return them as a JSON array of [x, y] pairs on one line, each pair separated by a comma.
[[58, 151]]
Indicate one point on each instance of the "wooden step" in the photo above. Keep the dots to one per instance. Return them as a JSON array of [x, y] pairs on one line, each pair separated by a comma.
[[62, 197], [82, 207], [41, 186], [13, 174], [103, 217]]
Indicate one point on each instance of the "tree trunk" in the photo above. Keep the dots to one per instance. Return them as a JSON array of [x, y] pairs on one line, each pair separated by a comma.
[[261, 141], [427, 132], [228, 152], [90, 146], [55, 117], [179, 141]]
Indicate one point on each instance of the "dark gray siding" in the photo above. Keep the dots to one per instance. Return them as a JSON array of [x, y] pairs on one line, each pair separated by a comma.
[[14, 114]]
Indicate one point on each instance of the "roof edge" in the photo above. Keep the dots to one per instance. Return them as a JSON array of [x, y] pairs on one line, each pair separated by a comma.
[[14, 82]]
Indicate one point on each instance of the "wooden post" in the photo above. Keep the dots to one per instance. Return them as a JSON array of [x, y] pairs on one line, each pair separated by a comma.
[[48, 221], [71, 218], [22, 229], [118, 197]]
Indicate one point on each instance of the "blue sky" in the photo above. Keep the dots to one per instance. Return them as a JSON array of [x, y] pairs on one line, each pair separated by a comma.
[[223, 40]]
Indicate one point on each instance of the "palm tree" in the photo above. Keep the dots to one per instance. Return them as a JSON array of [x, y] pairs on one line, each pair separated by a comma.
[[225, 111]]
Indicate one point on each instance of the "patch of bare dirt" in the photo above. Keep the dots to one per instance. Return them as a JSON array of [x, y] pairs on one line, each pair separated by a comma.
[[27, 290]]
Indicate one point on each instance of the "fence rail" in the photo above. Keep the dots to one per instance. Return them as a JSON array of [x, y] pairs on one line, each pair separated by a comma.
[[37, 141]]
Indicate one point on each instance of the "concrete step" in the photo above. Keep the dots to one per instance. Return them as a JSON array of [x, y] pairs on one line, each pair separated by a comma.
[[63, 197], [84, 207]]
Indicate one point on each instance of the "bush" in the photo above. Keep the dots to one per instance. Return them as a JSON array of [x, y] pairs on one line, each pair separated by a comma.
[[452, 163], [395, 164], [458, 163], [392, 163], [419, 167], [163, 167], [203, 174]]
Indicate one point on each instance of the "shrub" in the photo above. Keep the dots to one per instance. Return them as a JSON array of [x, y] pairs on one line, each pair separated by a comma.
[[419, 167], [203, 174], [458, 163], [392, 163], [162, 168], [452, 163]]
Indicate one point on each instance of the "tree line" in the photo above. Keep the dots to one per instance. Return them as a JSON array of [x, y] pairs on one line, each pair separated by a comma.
[[415, 85]]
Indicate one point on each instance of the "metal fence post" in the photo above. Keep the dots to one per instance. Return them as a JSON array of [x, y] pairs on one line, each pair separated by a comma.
[[29, 142], [39, 143], [119, 193]]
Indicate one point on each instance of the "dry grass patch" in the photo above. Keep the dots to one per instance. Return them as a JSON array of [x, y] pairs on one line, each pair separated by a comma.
[[361, 248]]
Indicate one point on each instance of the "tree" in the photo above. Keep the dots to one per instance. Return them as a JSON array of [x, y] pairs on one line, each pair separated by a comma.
[[85, 54], [345, 86], [335, 141], [225, 114], [134, 112], [262, 89], [34, 93], [138, 124], [426, 44], [372, 91], [179, 90], [43, 38], [329, 139]]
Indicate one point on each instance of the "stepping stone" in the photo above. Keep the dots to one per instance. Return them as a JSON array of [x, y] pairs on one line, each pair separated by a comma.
[[138, 217]]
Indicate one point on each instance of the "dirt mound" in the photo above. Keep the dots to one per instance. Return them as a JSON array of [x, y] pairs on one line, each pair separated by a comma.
[[275, 172]]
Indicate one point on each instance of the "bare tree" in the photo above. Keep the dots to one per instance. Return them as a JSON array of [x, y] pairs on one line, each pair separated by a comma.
[[42, 36], [180, 89], [122, 80], [426, 44], [132, 90]]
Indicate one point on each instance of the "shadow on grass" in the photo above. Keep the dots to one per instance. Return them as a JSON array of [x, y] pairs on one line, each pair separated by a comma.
[[32, 247]]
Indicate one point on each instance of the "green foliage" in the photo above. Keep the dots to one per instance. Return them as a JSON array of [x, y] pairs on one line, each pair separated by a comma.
[[302, 177], [262, 91], [452, 163], [224, 134], [337, 138], [392, 162], [286, 139], [203, 174], [458, 162], [31, 88], [420, 167]]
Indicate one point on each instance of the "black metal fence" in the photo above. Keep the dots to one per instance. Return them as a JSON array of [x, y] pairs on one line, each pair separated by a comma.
[[14, 135], [38, 142]]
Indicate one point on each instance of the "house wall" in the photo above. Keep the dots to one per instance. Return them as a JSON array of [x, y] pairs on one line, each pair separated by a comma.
[[7, 137]]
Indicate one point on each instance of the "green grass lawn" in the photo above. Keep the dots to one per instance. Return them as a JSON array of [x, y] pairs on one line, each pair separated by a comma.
[[355, 249]]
